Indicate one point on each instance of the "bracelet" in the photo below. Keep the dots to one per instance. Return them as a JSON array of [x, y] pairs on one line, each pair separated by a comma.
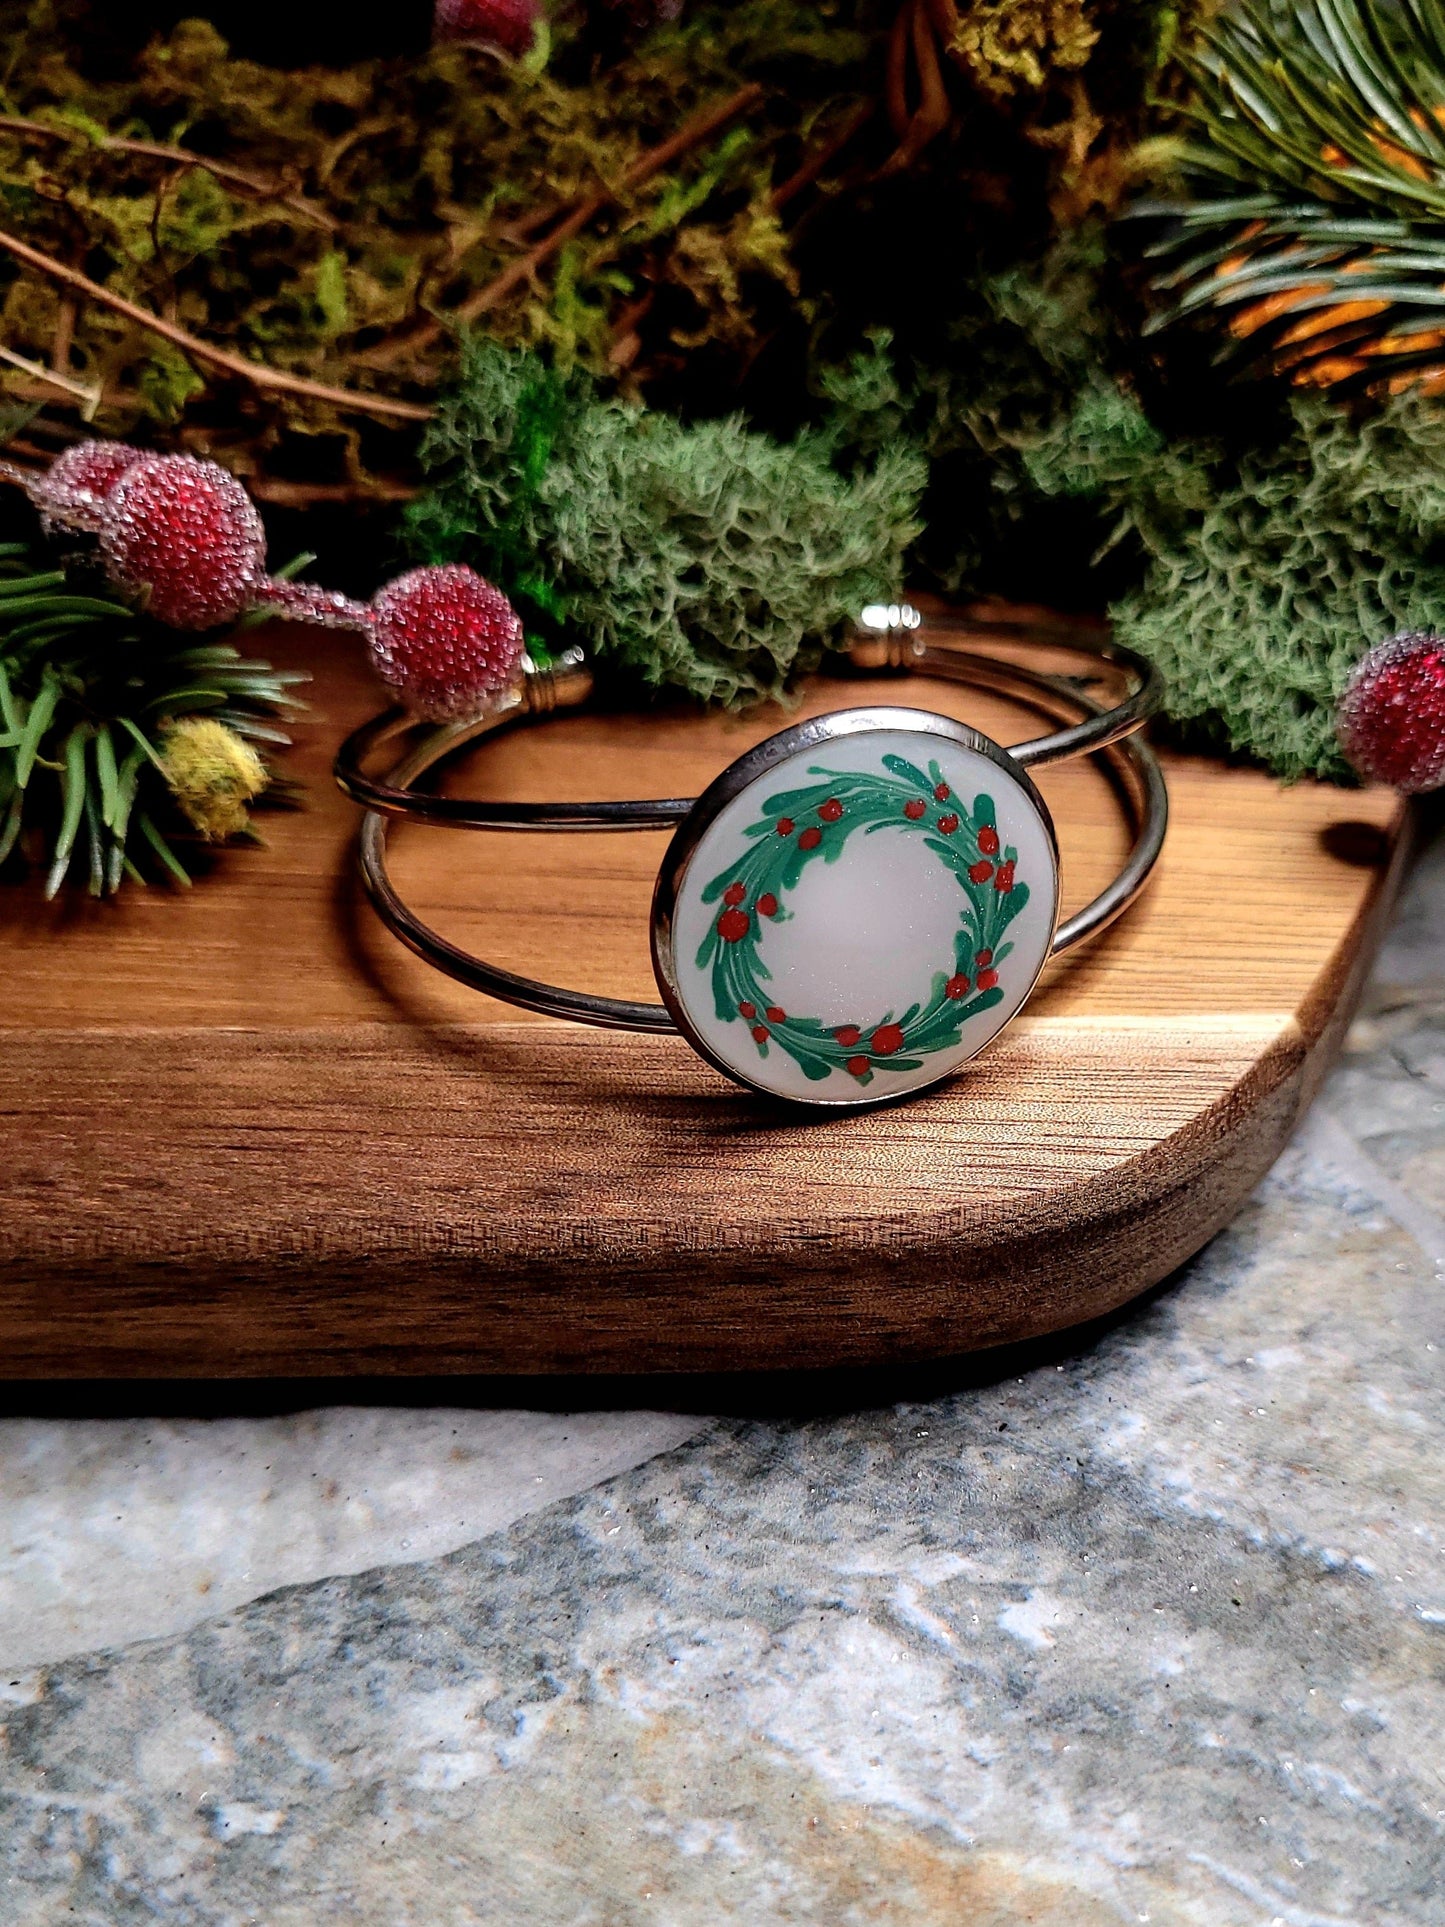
[[798, 950]]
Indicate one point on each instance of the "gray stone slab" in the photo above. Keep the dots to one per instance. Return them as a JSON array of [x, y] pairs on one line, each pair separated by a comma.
[[116, 1530]]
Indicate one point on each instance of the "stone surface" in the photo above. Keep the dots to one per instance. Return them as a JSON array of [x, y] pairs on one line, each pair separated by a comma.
[[123, 1529], [1149, 1630]]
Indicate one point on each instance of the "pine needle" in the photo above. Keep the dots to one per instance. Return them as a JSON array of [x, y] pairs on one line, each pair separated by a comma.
[[81, 682]]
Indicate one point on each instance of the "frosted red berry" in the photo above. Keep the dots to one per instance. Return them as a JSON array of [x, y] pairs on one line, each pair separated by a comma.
[[885, 1040], [984, 958], [733, 925], [988, 840], [774, 1015], [810, 839], [72, 492], [980, 872], [914, 808], [785, 826], [956, 987], [848, 1035], [508, 24], [948, 824], [748, 1010], [734, 893], [1004, 879], [761, 1033], [942, 793], [445, 640], [857, 1067], [184, 536], [1391, 718], [987, 979], [767, 904], [831, 810]]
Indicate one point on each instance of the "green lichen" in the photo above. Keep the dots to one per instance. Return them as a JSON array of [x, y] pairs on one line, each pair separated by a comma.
[[703, 556], [1254, 563], [1265, 576]]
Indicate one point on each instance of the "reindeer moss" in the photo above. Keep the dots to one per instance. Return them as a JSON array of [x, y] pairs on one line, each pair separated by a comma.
[[1254, 564], [703, 556], [1264, 576]]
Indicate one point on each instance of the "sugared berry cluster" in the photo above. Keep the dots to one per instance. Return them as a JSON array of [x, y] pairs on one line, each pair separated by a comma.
[[183, 538]]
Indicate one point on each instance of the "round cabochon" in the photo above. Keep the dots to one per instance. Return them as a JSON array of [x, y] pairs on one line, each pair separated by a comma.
[[857, 906]]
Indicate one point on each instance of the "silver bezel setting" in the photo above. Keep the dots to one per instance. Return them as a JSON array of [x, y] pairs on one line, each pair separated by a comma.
[[802, 738]]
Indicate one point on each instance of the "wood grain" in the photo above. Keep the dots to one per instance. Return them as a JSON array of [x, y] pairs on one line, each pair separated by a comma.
[[246, 1134]]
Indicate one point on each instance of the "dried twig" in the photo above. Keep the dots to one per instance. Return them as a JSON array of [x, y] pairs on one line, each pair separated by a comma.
[[625, 339], [259, 376], [914, 27], [306, 495], [821, 155], [223, 171], [52, 378], [63, 338], [691, 134]]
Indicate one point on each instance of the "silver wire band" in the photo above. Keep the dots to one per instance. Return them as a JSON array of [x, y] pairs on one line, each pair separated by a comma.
[[1108, 730], [926, 650]]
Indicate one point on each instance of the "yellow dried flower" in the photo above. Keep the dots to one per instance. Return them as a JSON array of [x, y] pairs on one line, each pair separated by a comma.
[[213, 774]]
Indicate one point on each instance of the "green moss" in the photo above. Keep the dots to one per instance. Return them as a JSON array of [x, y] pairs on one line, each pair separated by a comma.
[[707, 557], [1266, 577], [1254, 568]]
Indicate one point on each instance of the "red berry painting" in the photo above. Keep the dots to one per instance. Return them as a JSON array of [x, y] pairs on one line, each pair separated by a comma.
[[895, 797]]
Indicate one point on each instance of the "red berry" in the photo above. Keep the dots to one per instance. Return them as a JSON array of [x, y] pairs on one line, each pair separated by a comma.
[[984, 957], [733, 925], [1391, 718], [980, 872], [747, 1010], [987, 979], [956, 987], [988, 840], [810, 839], [72, 492], [776, 1016], [185, 535], [848, 1035], [942, 793], [785, 826], [734, 893], [445, 641], [761, 1033], [831, 810], [767, 904], [1004, 881], [885, 1040], [857, 1066], [508, 24], [948, 824], [914, 809]]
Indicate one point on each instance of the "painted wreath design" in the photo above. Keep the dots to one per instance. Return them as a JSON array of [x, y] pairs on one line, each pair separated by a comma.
[[799, 825]]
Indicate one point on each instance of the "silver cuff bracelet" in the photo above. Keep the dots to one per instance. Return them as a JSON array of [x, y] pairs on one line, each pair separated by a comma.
[[855, 907]]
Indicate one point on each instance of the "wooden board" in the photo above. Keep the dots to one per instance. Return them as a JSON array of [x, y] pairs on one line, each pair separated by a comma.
[[246, 1134]]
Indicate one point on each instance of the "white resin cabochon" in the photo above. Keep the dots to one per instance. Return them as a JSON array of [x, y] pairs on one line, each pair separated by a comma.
[[872, 928]]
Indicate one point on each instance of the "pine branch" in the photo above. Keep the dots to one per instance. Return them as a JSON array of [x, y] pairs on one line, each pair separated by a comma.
[[1313, 221], [95, 702]]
